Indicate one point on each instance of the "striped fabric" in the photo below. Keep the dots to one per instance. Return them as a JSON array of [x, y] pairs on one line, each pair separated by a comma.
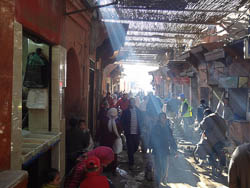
[[133, 126]]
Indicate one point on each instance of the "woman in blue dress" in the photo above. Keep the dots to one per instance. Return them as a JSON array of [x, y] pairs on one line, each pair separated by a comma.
[[162, 142]]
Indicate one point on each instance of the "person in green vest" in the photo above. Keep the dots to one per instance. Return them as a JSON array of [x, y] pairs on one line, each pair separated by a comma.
[[185, 111]]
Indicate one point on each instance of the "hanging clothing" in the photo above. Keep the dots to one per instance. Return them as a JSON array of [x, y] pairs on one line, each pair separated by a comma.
[[37, 71]]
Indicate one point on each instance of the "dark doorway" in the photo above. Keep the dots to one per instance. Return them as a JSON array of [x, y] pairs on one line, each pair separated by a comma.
[[91, 100], [37, 168]]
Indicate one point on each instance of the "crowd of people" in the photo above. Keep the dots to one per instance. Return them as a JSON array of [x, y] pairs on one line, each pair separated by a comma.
[[128, 122]]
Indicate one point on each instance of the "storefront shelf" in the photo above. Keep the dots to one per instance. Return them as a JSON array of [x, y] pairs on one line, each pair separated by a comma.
[[34, 144]]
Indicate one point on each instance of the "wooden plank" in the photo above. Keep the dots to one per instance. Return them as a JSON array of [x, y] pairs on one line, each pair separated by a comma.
[[197, 49], [215, 55]]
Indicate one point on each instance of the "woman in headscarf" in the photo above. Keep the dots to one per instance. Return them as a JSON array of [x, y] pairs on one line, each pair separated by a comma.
[[162, 142], [110, 131], [106, 156]]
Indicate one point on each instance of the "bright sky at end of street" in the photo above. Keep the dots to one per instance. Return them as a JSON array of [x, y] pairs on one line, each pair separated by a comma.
[[139, 75]]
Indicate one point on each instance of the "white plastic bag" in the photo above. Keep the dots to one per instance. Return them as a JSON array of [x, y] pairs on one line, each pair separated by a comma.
[[117, 146]]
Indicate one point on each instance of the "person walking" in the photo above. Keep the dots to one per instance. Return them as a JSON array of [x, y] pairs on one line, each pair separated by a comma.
[[185, 112], [239, 167], [109, 132], [123, 102], [102, 115], [200, 111], [172, 108], [162, 143], [131, 122], [109, 99], [144, 124]]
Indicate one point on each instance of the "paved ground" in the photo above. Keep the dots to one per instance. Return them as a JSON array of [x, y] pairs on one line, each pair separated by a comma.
[[183, 173]]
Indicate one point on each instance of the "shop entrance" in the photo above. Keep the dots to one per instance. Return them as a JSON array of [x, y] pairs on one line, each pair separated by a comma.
[[36, 101], [36, 79]]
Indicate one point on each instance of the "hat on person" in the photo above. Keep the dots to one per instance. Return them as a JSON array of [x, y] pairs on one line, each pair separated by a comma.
[[112, 112], [93, 163], [202, 101], [182, 95]]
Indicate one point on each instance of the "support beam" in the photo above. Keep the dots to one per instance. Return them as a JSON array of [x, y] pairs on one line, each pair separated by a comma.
[[153, 42], [133, 62], [182, 10], [162, 49], [153, 20], [146, 52], [167, 32], [137, 55], [158, 37], [90, 8]]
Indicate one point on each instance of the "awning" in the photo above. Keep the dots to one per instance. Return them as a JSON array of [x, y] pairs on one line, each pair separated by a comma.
[[116, 37]]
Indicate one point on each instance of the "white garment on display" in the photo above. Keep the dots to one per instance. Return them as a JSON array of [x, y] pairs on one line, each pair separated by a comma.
[[37, 99]]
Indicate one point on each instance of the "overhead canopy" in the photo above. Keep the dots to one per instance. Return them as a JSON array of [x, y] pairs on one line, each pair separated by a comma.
[[156, 26]]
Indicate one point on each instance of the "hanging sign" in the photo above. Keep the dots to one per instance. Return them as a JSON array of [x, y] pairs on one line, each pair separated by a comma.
[[181, 80]]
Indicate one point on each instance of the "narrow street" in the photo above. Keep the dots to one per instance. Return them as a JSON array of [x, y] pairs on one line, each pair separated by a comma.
[[87, 77]]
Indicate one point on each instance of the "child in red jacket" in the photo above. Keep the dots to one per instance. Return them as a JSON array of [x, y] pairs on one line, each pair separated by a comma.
[[93, 178]]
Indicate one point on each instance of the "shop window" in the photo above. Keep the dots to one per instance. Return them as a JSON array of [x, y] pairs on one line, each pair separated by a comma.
[[36, 80]]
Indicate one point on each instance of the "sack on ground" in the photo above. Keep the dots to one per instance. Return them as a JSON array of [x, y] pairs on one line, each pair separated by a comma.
[[117, 146]]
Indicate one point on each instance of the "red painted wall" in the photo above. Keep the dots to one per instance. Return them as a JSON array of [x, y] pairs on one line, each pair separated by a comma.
[[44, 17], [72, 91], [7, 13]]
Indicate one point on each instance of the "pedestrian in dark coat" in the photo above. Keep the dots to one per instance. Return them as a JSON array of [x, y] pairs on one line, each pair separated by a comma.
[[131, 122], [102, 114], [162, 142], [239, 168]]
